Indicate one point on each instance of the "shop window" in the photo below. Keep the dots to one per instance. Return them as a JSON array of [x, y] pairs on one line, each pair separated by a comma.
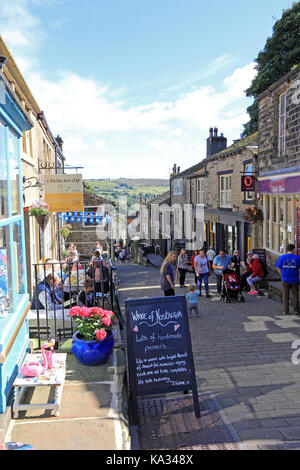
[[6, 295], [225, 191], [200, 191], [3, 175], [14, 172], [18, 260], [282, 125]]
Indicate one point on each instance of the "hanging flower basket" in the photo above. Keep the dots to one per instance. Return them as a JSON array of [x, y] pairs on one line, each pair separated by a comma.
[[42, 220], [40, 210], [253, 215], [65, 230]]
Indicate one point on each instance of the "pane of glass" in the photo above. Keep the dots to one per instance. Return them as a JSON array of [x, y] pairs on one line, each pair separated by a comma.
[[14, 172], [18, 259], [6, 296], [3, 175]]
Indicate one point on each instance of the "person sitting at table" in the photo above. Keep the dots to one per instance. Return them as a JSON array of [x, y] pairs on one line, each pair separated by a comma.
[[47, 295], [86, 296], [94, 272]]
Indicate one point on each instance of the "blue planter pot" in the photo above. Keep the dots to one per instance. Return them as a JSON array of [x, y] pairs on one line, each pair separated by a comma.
[[92, 353]]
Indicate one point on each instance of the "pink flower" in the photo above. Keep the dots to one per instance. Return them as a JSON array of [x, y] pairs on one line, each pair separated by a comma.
[[109, 313], [85, 312], [75, 311], [106, 321], [100, 334]]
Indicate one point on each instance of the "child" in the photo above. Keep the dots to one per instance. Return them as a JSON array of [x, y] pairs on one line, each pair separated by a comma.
[[86, 296], [192, 300]]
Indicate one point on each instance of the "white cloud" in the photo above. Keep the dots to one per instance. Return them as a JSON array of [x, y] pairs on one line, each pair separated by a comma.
[[84, 111]]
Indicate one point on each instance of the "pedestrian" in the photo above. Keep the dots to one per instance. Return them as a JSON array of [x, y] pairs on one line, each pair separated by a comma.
[[203, 271], [99, 272], [257, 274], [220, 262], [192, 300], [167, 272], [192, 263], [182, 267], [288, 266], [211, 255], [236, 261]]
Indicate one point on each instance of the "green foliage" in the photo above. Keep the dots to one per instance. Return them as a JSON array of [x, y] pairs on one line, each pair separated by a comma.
[[280, 54]]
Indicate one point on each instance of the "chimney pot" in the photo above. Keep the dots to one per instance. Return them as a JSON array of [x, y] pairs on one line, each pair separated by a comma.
[[60, 142], [216, 132], [211, 132]]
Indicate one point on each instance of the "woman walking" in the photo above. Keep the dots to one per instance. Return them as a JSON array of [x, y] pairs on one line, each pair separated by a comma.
[[182, 267], [167, 274], [202, 269]]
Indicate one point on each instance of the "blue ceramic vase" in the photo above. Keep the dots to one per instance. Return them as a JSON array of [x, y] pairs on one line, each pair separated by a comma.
[[92, 353]]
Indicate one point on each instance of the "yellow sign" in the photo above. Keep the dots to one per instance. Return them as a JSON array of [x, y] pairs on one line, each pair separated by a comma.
[[64, 193]]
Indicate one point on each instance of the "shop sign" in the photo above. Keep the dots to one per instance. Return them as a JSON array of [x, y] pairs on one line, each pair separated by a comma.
[[248, 183], [288, 185], [64, 192]]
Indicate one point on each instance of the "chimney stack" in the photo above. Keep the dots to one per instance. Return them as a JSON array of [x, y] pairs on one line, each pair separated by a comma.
[[215, 143], [178, 170]]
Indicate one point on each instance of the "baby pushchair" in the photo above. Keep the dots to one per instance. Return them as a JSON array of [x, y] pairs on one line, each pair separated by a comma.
[[231, 289]]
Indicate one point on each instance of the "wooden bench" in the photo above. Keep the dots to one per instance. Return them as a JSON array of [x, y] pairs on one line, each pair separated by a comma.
[[54, 378]]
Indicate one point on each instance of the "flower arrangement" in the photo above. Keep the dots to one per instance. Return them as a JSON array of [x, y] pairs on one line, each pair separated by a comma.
[[38, 208], [65, 230], [93, 323], [253, 215]]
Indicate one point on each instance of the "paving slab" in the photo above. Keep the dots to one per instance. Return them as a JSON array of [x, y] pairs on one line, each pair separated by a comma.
[[242, 353]]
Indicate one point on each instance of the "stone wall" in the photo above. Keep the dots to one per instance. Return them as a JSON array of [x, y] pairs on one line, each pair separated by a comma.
[[84, 236], [268, 124]]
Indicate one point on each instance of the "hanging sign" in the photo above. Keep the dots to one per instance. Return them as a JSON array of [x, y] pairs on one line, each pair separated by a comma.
[[248, 183], [160, 358], [64, 193]]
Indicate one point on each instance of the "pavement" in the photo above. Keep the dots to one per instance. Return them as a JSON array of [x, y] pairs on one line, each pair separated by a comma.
[[243, 356], [92, 414]]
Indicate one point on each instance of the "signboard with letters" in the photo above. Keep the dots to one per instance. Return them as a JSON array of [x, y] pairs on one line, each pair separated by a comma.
[[160, 358], [64, 192]]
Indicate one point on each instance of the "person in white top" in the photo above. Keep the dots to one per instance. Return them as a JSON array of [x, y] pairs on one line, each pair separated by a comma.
[[211, 254], [182, 267]]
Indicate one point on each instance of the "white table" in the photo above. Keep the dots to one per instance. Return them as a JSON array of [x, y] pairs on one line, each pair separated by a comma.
[[55, 378]]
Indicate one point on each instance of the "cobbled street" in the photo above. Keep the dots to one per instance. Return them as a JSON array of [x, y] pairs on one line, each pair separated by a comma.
[[243, 355]]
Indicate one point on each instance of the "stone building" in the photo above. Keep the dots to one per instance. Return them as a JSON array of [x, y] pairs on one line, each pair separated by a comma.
[[84, 234], [38, 148], [219, 189], [214, 185], [279, 163]]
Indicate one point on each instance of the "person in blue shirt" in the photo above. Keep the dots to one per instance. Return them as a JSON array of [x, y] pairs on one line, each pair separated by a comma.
[[192, 300], [288, 267], [220, 262]]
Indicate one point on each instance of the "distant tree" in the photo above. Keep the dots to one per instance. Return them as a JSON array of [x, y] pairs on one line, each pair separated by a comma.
[[280, 54]]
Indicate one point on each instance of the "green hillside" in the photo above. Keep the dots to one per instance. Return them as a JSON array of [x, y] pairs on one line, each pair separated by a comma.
[[134, 189]]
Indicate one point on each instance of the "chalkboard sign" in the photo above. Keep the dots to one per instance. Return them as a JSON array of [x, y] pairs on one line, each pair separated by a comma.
[[160, 358], [261, 252]]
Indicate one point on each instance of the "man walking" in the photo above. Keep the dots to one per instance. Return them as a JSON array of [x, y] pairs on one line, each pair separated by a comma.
[[220, 262], [288, 267]]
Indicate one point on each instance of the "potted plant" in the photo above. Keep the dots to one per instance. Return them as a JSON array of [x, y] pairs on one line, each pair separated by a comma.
[[40, 210], [253, 215], [93, 341], [65, 230]]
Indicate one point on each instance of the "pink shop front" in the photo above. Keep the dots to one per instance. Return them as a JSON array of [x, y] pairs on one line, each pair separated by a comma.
[[279, 193]]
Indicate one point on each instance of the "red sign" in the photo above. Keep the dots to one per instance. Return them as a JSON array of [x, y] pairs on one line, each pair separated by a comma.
[[248, 183]]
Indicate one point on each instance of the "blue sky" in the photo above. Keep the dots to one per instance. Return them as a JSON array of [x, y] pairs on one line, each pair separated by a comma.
[[133, 86]]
